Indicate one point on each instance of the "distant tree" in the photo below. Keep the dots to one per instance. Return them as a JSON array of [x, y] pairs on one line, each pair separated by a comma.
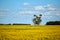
[[20, 24], [1, 24], [53, 23]]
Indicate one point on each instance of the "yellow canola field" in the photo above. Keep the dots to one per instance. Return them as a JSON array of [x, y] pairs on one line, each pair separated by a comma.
[[28, 32]]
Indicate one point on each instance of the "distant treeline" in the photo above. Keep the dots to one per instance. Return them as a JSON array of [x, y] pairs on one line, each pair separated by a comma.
[[53, 23], [15, 24]]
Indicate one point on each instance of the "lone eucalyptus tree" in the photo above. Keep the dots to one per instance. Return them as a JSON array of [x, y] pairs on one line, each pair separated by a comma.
[[37, 19]]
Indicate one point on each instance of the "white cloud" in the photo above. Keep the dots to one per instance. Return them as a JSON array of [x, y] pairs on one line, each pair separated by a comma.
[[45, 8], [49, 10], [50, 14], [58, 14], [47, 16], [26, 4], [28, 12], [3, 11], [1, 14], [39, 8], [24, 9], [50, 7]]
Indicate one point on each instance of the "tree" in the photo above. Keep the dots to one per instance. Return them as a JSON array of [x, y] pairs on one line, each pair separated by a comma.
[[53, 23], [37, 19]]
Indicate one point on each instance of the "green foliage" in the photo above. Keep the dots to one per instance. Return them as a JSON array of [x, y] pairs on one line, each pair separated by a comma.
[[53, 23]]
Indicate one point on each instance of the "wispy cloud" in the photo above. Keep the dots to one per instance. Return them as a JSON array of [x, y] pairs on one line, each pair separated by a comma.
[[39, 8], [47, 7], [28, 12], [50, 7], [3, 11], [48, 10], [26, 4], [6, 12]]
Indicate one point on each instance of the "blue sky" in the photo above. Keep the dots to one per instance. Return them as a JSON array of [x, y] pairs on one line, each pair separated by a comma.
[[22, 11]]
